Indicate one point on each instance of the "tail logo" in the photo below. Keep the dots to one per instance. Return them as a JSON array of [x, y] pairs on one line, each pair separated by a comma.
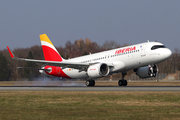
[[49, 51]]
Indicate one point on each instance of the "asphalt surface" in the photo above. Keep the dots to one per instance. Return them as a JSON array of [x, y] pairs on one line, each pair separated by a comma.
[[84, 88]]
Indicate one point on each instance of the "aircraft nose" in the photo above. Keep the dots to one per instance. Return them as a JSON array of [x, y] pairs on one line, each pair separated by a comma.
[[167, 53]]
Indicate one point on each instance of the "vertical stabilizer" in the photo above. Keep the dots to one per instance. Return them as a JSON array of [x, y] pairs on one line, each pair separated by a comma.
[[49, 51]]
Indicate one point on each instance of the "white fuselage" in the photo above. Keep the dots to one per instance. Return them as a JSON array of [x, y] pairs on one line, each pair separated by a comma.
[[123, 59]]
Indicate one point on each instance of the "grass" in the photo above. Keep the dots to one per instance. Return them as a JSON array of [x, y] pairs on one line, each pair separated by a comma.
[[55, 105]]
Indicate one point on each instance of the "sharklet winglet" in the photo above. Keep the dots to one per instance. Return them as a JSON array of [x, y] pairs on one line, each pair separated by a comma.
[[11, 54]]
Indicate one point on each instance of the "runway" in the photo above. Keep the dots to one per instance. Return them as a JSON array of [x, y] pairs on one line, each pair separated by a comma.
[[84, 88]]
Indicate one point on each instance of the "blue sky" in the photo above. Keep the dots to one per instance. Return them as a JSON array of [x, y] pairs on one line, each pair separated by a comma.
[[123, 21]]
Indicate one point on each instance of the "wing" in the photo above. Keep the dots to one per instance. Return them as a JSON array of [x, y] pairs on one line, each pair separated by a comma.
[[63, 64]]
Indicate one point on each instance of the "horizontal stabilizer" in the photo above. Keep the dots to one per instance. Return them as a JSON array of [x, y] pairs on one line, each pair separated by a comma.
[[34, 68]]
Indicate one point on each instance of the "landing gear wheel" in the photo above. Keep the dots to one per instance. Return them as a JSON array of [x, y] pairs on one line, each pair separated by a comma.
[[93, 82], [122, 82], [87, 83], [90, 83]]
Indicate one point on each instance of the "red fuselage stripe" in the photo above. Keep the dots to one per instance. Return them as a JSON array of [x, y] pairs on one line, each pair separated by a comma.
[[56, 71]]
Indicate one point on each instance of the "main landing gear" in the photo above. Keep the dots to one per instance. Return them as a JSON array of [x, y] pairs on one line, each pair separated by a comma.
[[90, 83], [123, 82]]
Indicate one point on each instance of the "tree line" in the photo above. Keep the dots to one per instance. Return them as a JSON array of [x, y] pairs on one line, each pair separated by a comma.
[[9, 68]]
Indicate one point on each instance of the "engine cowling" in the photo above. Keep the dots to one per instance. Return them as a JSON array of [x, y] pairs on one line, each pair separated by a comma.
[[147, 71], [98, 70]]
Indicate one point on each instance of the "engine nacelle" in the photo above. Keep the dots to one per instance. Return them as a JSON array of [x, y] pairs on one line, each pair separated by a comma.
[[98, 70], [147, 72]]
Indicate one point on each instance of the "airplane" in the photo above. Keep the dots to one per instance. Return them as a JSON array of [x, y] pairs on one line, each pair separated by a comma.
[[141, 58]]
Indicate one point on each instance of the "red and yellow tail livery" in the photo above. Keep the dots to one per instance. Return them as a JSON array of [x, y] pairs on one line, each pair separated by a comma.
[[49, 51]]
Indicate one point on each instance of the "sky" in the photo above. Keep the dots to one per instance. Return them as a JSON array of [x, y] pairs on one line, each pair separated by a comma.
[[122, 21]]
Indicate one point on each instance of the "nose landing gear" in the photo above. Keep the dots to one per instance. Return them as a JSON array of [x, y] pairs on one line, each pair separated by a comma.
[[123, 82]]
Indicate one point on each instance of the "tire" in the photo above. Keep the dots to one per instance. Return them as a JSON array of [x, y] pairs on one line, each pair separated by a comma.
[[93, 82], [120, 82], [124, 82], [88, 83]]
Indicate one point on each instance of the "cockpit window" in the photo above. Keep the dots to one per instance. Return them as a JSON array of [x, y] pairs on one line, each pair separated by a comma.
[[157, 46]]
